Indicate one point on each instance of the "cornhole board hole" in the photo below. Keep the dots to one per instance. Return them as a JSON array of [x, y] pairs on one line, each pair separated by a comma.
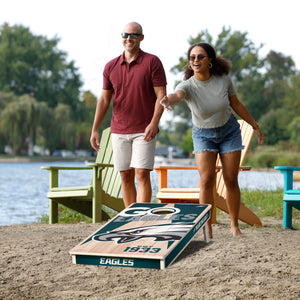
[[144, 235]]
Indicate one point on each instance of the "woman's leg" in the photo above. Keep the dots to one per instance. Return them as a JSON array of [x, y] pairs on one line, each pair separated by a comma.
[[206, 163], [230, 164]]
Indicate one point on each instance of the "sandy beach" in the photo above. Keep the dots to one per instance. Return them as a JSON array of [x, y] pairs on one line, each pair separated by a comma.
[[35, 264]]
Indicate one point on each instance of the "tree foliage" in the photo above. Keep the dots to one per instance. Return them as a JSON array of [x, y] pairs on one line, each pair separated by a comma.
[[35, 66], [40, 98], [19, 121]]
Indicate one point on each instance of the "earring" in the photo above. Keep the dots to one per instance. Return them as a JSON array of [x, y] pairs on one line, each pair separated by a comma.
[[209, 65], [189, 67]]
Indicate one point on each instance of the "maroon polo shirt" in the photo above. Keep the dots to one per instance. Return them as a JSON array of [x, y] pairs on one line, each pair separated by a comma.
[[134, 96]]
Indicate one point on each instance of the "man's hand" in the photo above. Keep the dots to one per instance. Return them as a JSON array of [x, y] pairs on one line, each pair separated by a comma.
[[94, 140], [150, 133]]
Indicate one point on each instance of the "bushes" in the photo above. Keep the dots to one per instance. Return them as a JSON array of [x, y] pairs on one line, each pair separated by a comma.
[[268, 157]]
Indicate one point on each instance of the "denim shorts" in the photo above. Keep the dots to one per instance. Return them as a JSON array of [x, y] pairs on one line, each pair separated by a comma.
[[224, 139]]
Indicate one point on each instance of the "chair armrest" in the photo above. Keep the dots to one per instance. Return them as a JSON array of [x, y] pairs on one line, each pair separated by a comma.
[[100, 165], [175, 168], [50, 168], [287, 172], [287, 168], [245, 168], [163, 173], [54, 171]]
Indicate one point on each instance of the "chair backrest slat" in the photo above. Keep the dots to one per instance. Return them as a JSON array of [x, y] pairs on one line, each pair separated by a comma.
[[247, 134], [111, 180]]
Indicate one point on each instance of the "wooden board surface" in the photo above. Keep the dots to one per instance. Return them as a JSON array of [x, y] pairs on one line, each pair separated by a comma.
[[147, 235]]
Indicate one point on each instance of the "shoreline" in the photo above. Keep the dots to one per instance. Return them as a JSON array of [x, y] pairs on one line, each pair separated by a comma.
[[175, 161]]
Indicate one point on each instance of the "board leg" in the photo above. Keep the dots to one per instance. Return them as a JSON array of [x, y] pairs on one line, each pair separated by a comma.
[[74, 259], [162, 264], [205, 232]]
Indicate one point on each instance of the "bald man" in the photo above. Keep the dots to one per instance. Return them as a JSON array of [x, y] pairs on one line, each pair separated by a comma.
[[136, 81]]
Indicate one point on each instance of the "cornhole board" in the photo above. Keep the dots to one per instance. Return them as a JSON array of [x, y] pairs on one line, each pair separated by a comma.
[[144, 235]]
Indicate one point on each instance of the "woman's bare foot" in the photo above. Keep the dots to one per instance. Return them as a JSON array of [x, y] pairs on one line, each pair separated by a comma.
[[236, 232]]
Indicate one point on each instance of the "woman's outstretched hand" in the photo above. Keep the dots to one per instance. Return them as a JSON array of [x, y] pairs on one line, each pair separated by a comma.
[[165, 103]]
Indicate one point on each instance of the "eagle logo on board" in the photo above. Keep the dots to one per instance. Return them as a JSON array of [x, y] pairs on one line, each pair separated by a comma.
[[164, 232]]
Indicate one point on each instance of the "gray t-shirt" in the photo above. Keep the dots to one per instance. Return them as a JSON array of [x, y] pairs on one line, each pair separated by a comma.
[[208, 100]]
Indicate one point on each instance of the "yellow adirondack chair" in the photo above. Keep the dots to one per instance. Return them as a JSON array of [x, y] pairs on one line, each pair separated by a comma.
[[89, 200], [191, 195]]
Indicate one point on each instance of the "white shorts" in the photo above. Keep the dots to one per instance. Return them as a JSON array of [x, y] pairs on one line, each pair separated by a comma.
[[132, 151]]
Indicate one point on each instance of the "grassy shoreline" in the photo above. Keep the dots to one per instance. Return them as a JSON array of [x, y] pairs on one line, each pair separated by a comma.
[[263, 203]]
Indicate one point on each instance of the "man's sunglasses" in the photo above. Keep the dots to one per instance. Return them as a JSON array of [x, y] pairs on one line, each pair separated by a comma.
[[199, 57], [132, 35]]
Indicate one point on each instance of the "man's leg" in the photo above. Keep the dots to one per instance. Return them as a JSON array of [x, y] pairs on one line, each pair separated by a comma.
[[144, 185], [143, 162], [128, 187], [122, 149]]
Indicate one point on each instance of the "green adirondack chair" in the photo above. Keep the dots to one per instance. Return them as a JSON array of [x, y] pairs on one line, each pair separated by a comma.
[[89, 200]]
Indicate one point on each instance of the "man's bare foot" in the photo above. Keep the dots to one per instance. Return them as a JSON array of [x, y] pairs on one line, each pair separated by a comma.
[[236, 232]]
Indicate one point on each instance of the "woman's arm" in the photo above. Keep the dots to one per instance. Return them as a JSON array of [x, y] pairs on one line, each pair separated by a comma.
[[242, 111], [172, 99]]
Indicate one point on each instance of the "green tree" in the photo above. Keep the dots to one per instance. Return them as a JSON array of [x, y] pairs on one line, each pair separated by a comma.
[[19, 121], [278, 66], [83, 129], [273, 125], [291, 100], [187, 142], [34, 65], [278, 71], [251, 91], [294, 129], [64, 129]]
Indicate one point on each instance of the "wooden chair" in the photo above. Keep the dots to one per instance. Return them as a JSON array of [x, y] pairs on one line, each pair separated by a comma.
[[291, 196], [191, 195], [89, 200]]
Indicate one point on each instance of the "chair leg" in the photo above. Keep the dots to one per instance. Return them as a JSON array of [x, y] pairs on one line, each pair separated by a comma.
[[97, 207], [287, 215], [53, 212]]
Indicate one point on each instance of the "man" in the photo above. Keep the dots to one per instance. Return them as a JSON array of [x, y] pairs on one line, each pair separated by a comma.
[[137, 82]]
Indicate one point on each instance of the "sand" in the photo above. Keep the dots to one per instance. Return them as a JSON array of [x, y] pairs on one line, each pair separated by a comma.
[[35, 264]]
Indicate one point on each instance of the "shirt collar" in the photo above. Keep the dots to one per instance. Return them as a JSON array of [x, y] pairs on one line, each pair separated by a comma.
[[136, 60]]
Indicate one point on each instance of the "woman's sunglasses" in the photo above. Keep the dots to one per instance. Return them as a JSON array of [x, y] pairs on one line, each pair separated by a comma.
[[199, 57]]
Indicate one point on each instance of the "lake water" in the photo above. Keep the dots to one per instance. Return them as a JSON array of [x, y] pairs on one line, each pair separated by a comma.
[[24, 186]]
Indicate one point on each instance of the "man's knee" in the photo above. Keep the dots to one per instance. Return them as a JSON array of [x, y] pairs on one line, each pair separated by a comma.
[[142, 175], [127, 176]]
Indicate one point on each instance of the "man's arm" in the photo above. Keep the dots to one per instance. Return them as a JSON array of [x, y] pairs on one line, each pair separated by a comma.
[[101, 110], [152, 129]]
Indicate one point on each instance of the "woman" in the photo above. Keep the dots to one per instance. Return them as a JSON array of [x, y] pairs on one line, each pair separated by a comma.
[[210, 95]]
